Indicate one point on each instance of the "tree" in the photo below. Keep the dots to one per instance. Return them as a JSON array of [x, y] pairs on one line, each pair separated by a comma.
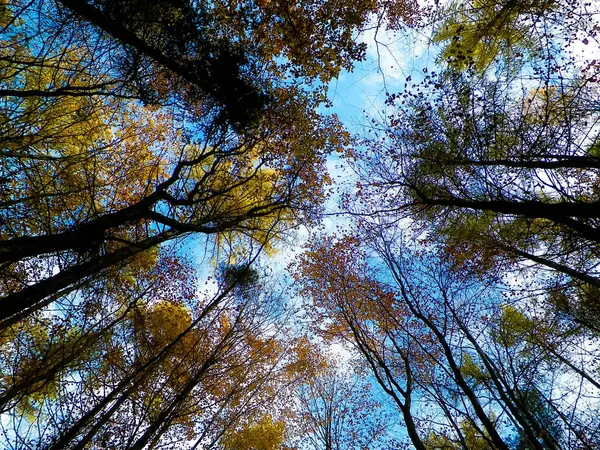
[[261, 435], [338, 411], [471, 439], [476, 209], [126, 128], [166, 369], [500, 175], [358, 309], [478, 32], [499, 164], [96, 178], [479, 372], [485, 35]]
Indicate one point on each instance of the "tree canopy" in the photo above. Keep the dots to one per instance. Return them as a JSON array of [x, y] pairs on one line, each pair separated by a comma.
[[158, 156]]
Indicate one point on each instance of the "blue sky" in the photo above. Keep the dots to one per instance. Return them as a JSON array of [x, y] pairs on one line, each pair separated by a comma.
[[391, 58]]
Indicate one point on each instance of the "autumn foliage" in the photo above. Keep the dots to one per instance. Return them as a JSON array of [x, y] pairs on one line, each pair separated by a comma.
[[157, 155]]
